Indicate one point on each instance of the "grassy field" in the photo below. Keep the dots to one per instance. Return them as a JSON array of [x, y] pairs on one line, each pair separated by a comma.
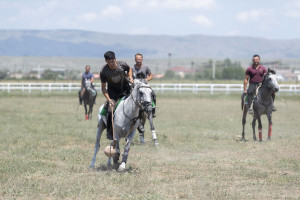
[[46, 148]]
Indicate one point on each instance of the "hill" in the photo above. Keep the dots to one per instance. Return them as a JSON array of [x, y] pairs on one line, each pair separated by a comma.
[[77, 43]]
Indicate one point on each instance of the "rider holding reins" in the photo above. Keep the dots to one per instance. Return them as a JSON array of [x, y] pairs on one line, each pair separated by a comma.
[[255, 75], [143, 71], [86, 78], [114, 84]]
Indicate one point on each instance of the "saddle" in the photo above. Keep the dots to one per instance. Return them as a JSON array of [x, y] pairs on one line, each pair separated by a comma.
[[105, 114]]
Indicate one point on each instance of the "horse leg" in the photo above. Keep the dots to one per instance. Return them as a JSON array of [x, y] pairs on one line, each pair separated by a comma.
[[259, 129], [91, 103], [100, 129], [122, 167], [91, 111], [85, 108], [150, 119], [253, 128], [141, 130], [244, 122], [270, 126]]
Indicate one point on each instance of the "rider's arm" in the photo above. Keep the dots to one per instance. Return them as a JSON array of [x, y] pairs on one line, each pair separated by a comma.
[[104, 91], [82, 80], [92, 79], [130, 75], [246, 82], [149, 78]]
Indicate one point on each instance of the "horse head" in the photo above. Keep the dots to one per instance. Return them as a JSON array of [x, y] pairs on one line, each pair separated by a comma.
[[88, 83], [270, 81], [143, 94]]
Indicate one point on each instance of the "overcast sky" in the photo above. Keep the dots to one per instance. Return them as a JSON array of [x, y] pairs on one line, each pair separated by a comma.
[[274, 19]]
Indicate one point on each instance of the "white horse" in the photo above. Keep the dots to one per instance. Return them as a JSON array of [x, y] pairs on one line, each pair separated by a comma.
[[126, 120]]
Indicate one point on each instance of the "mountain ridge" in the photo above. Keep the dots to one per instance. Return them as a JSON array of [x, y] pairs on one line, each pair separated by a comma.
[[77, 43]]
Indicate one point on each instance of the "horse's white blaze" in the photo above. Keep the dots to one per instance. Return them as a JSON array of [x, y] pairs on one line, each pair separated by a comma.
[[146, 93], [274, 80]]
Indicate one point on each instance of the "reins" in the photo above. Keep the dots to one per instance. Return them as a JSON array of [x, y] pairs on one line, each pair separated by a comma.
[[136, 103]]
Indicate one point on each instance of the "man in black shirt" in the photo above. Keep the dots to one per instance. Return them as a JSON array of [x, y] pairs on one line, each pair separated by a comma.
[[114, 83]]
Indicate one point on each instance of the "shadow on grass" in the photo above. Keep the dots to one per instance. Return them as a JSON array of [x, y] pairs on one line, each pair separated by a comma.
[[114, 168]]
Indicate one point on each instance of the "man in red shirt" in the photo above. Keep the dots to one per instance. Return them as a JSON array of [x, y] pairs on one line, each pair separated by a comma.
[[255, 75]]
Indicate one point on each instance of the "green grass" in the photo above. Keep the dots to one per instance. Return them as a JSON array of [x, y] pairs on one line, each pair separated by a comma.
[[46, 148]]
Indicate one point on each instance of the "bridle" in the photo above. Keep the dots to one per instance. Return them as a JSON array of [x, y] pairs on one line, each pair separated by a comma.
[[137, 102]]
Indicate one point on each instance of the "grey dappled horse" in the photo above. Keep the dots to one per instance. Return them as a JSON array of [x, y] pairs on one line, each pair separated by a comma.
[[126, 120], [262, 104], [88, 99]]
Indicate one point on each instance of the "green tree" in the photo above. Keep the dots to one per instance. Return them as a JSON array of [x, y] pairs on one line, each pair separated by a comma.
[[3, 73], [237, 73], [50, 75], [169, 74]]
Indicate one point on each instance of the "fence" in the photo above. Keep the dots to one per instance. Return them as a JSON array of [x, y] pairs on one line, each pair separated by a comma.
[[157, 87]]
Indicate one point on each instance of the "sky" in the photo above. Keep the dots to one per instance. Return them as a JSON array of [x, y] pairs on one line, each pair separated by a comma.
[[271, 19]]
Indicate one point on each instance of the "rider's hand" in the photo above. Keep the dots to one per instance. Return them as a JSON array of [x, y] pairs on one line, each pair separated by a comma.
[[111, 103], [130, 80]]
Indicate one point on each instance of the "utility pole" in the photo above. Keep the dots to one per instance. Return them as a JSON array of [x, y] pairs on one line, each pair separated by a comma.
[[169, 63], [213, 70]]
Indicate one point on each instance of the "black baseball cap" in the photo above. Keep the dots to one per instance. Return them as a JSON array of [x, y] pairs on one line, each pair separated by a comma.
[[109, 55]]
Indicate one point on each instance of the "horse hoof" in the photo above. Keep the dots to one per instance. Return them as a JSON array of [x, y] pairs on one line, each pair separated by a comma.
[[156, 143], [92, 166], [121, 167]]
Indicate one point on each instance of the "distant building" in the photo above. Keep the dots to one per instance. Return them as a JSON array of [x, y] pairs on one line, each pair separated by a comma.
[[181, 71], [16, 75], [286, 75], [297, 72]]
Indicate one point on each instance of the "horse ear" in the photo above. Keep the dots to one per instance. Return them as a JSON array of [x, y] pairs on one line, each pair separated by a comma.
[[272, 71]]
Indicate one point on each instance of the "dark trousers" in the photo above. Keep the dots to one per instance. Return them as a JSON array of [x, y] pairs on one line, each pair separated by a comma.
[[251, 92]]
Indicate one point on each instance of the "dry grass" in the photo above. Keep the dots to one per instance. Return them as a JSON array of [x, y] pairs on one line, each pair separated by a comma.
[[46, 150]]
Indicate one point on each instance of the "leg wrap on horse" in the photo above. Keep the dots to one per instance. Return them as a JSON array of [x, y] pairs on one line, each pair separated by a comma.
[[260, 133], [270, 130]]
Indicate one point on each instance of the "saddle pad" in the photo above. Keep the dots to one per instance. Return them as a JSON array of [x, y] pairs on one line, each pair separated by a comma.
[[104, 111]]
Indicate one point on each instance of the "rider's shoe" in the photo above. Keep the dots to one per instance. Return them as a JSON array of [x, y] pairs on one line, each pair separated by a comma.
[[250, 111], [141, 128], [274, 109]]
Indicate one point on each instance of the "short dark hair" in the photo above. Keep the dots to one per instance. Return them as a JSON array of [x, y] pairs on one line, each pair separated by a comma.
[[256, 55], [109, 55], [138, 54]]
